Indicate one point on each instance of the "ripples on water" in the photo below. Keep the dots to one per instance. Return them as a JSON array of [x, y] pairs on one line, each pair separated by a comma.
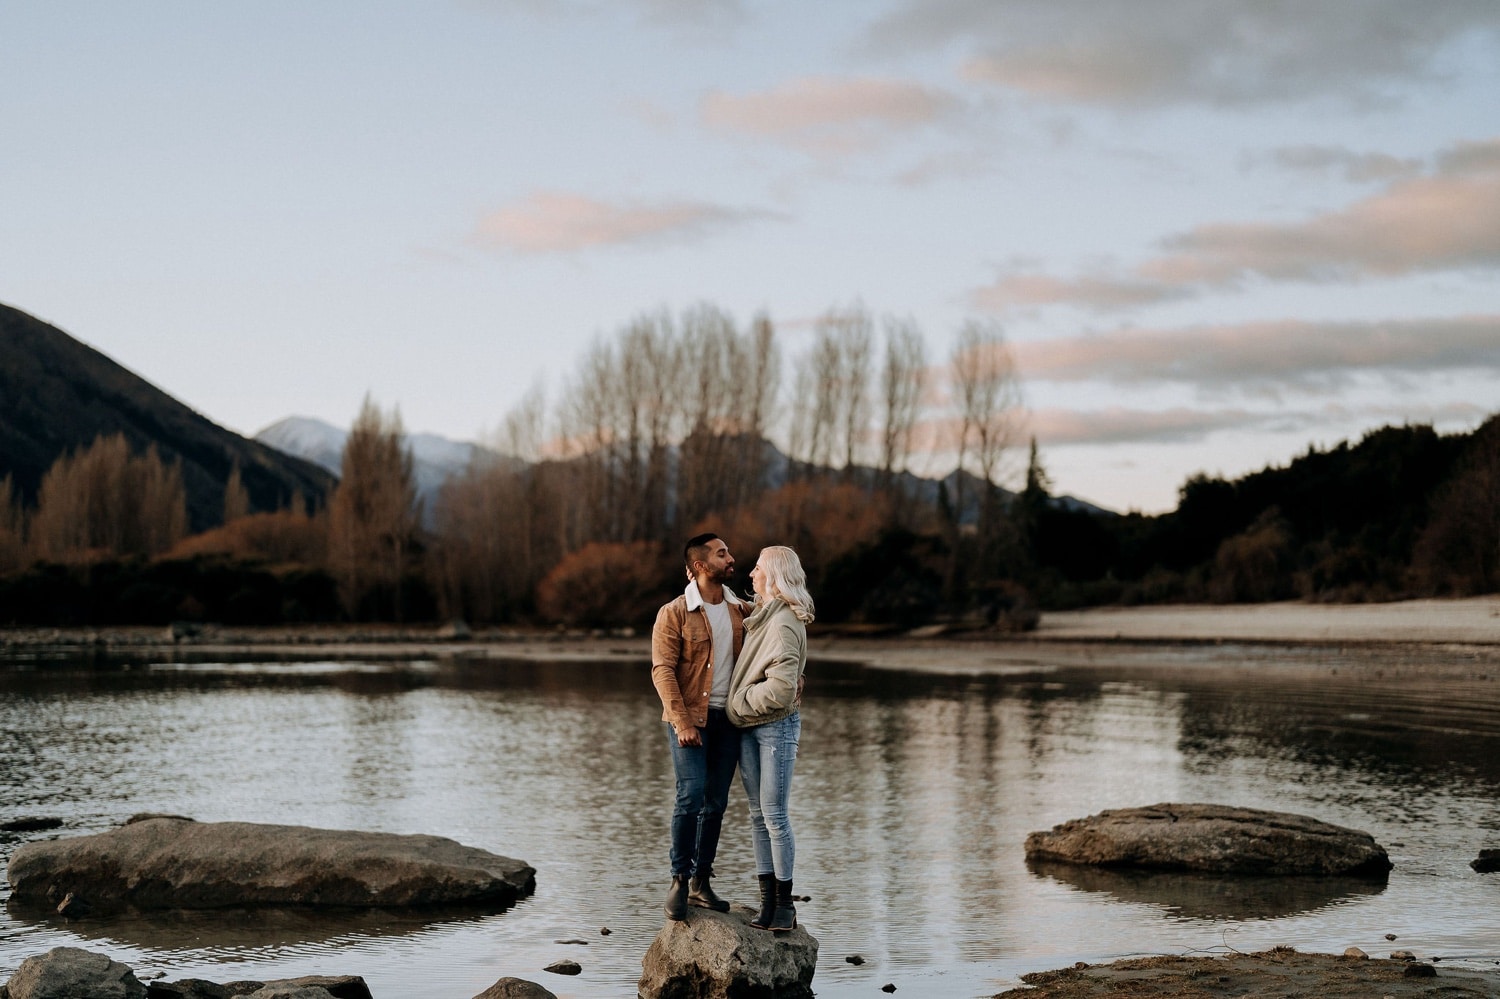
[[913, 795]]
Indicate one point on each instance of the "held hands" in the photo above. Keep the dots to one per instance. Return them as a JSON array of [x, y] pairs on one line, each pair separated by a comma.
[[689, 736]]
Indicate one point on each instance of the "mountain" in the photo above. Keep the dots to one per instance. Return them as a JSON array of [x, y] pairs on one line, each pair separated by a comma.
[[434, 458], [57, 395]]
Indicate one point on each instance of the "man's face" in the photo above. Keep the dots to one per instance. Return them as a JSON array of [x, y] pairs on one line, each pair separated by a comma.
[[719, 566]]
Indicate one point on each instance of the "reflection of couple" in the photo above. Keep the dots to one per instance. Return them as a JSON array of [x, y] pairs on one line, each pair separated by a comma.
[[730, 679]]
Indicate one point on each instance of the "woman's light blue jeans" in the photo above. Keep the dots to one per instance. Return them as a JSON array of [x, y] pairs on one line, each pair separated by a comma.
[[768, 754]]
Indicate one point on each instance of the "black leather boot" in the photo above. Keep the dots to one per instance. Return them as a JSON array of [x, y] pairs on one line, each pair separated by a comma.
[[677, 898], [762, 920], [785, 919], [701, 894]]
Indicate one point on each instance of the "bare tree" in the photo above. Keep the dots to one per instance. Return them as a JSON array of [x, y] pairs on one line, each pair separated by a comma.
[[104, 499], [590, 429], [236, 497], [841, 411], [988, 396], [901, 381], [650, 376], [12, 528], [710, 352], [756, 373], [374, 514]]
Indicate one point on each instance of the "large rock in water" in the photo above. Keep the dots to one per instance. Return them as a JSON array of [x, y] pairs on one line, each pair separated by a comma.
[[73, 973], [719, 955], [176, 863], [1217, 838]]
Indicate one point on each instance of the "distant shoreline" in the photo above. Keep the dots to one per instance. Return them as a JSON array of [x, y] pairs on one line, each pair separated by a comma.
[[1470, 621]]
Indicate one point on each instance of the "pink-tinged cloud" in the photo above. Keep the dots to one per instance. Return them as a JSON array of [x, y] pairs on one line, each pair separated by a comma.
[[559, 222], [1447, 220], [1289, 353], [827, 114], [1099, 293], [1119, 425], [1433, 223]]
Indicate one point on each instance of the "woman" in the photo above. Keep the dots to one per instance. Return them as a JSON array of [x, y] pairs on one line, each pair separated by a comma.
[[764, 700]]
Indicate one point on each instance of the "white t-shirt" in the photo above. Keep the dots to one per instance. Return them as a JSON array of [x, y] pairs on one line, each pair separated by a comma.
[[722, 630]]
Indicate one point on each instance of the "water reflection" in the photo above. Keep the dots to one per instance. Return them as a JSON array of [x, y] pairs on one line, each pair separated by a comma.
[[244, 929], [914, 795], [1210, 896]]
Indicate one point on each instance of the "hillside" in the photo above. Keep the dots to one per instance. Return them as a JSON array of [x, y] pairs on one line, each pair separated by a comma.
[[58, 394]]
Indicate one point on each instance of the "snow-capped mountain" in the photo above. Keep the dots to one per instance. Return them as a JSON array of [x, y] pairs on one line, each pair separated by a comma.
[[434, 458]]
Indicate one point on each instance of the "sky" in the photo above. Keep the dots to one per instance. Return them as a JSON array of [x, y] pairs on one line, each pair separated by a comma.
[[1214, 233]]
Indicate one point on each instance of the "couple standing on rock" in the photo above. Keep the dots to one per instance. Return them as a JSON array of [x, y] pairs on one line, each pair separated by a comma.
[[729, 674]]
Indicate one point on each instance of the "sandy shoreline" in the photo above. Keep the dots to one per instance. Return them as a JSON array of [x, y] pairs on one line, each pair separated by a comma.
[[1475, 620]]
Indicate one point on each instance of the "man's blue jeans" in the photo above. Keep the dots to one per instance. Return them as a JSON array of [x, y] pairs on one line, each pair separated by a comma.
[[768, 755], [704, 774]]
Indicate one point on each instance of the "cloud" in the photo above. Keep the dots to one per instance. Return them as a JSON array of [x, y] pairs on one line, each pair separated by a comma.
[[1426, 224], [1356, 167], [1119, 425], [828, 115], [559, 222], [1448, 219], [1288, 353], [1180, 425], [671, 13], [1217, 52], [1099, 293]]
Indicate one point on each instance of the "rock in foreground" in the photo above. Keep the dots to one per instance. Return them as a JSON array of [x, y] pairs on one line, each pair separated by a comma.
[[1216, 838], [719, 955], [515, 988], [1280, 972], [73, 971], [171, 862]]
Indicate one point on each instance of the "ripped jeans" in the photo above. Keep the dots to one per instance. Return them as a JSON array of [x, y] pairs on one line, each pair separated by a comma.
[[768, 754]]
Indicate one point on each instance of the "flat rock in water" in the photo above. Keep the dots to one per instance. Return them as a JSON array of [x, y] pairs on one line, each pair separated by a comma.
[[1217, 838], [719, 955], [176, 863], [1487, 862]]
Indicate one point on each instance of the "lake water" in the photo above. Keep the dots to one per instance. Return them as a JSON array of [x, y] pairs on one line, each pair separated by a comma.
[[913, 795]]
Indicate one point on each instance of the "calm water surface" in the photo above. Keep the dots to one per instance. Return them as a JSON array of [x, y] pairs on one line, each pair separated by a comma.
[[914, 793]]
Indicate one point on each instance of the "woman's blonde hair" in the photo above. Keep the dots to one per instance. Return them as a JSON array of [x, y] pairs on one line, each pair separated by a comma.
[[786, 579]]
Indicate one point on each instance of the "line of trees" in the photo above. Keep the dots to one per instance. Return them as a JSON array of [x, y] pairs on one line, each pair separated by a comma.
[[885, 468], [663, 429]]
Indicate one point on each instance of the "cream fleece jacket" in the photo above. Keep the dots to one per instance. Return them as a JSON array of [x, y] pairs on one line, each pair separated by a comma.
[[763, 688]]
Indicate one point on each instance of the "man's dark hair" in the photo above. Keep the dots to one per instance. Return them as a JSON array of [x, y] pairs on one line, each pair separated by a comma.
[[697, 548]]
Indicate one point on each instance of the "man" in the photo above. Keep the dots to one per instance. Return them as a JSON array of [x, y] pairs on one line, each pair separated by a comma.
[[693, 646]]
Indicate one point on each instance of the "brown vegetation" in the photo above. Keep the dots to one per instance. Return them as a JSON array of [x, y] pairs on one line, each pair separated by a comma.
[[373, 517], [104, 499]]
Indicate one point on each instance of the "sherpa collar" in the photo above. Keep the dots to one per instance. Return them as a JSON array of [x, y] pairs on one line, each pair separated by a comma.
[[695, 599]]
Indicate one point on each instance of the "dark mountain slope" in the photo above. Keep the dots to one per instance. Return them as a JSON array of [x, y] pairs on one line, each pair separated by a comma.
[[57, 394]]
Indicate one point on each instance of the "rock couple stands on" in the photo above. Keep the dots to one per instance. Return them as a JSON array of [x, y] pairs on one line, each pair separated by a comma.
[[1213, 838], [169, 862], [719, 955]]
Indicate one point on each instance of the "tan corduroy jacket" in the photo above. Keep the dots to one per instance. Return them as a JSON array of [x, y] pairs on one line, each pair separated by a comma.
[[682, 655]]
